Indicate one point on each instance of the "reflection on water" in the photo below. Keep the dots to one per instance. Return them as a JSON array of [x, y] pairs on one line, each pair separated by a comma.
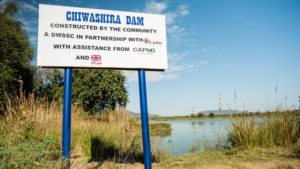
[[191, 135], [201, 123]]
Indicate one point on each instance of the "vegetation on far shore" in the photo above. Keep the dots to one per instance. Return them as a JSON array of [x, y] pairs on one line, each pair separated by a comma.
[[160, 129], [212, 115]]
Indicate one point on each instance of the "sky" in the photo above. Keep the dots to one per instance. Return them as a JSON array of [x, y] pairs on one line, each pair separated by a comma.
[[215, 47]]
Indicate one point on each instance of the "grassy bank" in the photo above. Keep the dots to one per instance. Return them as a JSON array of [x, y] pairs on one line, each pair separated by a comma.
[[280, 129], [30, 136], [276, 157], [256, 158], [264, 141]]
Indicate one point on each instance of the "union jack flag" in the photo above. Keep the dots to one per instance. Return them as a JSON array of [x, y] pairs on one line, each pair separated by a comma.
[[95, 57]]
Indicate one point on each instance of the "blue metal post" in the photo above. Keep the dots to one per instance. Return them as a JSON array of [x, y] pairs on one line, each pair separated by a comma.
[[66, 130], [144, 119]]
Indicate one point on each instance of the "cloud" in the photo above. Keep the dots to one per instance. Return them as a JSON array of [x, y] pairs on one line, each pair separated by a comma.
[[174, 30], [151, 76], [203, 62], [176, 33], [160, 8], [2, 4], [30, 25], [28, 7], [178, 68], [173, 73], [183, 10], [158, 76], [33, 40], [170, 18], [174, 57], [155, 7], [175, 67], [30, 29]]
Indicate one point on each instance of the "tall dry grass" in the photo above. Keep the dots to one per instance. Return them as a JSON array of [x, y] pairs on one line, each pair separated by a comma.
[[30, 135], [278, 129]]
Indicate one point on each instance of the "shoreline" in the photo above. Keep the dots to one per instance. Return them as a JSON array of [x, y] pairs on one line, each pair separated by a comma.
[[205, 117]]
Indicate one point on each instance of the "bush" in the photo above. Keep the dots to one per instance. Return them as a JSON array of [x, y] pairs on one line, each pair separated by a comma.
[[211, 115], [99, 90], [200, 115], [160, 129]]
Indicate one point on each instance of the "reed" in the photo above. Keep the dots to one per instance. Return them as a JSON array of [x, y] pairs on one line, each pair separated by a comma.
[[160, 129], [279, 129]]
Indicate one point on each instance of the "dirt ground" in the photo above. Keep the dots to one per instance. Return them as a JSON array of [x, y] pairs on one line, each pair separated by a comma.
[[289, 164], [271, 158]]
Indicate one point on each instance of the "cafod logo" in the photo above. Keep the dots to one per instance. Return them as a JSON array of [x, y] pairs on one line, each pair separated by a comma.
[[144, 50]]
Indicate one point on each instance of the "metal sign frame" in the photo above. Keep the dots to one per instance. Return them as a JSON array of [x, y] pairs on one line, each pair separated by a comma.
[[142, 59]]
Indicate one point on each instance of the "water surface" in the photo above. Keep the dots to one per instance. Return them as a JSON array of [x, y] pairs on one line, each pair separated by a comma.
[[189, 134]]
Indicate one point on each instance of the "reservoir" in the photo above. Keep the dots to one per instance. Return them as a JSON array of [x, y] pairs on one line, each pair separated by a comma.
[[188, 136]]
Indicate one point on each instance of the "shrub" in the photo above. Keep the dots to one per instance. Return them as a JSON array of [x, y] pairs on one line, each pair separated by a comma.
[[211, 115], [200, 115]]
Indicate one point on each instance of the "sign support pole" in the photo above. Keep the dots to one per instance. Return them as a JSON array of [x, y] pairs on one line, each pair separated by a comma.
[[144, 119], [66, 130]]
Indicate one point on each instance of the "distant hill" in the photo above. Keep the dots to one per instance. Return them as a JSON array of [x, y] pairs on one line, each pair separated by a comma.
[[223, 112], [138, 115]]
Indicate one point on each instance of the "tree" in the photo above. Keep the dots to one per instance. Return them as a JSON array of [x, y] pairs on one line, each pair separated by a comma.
[[49, 83], [200, 115], [97, 90], [211, 115], [15, 55]]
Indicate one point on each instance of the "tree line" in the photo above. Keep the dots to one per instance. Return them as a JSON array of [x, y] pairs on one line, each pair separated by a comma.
[[95, 90]]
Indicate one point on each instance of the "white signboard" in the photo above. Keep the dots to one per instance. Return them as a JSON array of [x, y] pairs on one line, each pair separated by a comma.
[[92, 38]]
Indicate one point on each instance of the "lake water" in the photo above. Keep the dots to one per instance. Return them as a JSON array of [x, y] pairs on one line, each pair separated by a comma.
[[194, 134]]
